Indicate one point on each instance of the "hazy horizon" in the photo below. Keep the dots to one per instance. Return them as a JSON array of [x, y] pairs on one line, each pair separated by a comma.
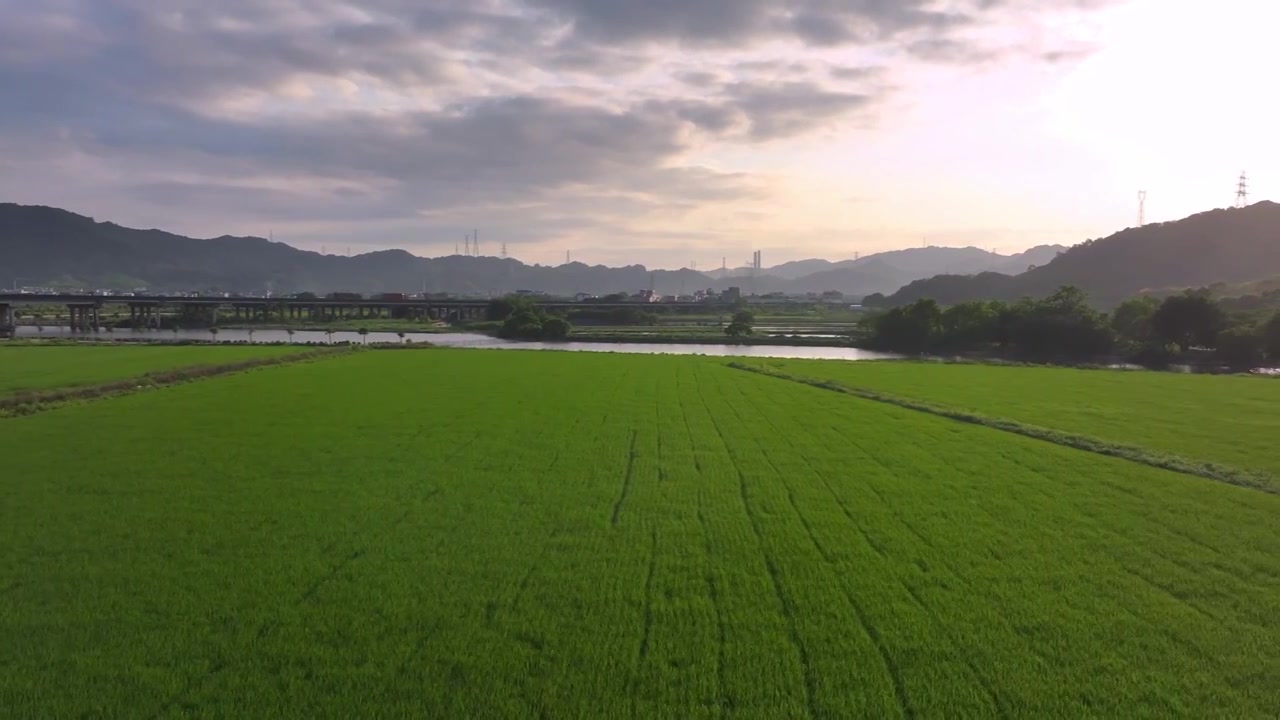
[[656, 134]]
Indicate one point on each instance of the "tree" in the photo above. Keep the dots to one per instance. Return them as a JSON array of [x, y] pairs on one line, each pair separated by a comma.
[[250, 335], [556, 329], [1062, 325], [1188, 320], [740, 325], [329, 334], [1132, 318], [1271, 338], [969, 324], [401, 336], [1240, 347], [499, 309], [524, 324], [213, 331], [909, 329], [364, 335], [291, 331]]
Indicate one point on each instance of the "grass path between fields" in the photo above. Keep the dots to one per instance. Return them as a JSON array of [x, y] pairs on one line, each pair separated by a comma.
[[28, 402], [1212, 471]]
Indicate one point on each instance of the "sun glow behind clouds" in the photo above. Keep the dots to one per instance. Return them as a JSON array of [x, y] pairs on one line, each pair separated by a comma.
[[1178, 100]]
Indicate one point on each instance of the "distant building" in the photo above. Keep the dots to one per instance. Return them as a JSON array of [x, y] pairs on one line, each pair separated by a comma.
[[731, 294]]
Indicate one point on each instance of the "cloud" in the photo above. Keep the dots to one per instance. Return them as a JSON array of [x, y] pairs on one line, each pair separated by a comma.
[[717, 23], [395, 112]]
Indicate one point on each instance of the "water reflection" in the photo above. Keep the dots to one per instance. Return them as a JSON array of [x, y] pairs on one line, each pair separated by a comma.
[[464, 340]]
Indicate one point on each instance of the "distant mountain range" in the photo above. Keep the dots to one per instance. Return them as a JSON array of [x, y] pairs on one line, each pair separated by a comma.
[[1219, 246], [924, 261], [45, 246]]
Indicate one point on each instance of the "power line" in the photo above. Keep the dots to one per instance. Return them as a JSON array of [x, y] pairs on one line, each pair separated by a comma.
[[1242, 191]]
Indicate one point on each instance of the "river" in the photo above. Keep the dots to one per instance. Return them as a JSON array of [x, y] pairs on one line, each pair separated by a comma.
[[465, 340]]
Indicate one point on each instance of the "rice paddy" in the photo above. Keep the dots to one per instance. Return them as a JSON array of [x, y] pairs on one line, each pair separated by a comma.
[[524, 534], [1227, 419], [45, 367]]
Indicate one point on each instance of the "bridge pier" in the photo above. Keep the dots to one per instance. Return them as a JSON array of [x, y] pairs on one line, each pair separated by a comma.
[[8, 327], [83, 316], [145, 315]]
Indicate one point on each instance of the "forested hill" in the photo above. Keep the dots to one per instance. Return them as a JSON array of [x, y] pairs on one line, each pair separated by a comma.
[[47, 246], [1219, 246]]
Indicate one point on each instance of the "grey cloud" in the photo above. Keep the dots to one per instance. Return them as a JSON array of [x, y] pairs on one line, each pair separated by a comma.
[[764, 111], [786, 109], [699, 78], [946, 50], [721, 22], [845, 72]]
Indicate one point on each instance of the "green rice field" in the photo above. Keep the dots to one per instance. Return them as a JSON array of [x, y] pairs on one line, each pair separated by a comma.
[[1233, 420], [45, 367], [450, 533]]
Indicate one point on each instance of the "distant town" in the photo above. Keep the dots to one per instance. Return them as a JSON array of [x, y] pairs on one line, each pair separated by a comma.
[[710, 296]]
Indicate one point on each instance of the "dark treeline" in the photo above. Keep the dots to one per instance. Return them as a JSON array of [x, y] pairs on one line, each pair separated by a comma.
[[1065, 327], [522, 319]]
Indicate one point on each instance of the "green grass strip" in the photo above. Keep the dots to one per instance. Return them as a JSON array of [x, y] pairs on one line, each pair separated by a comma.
[[31, 402], [1210, 471]]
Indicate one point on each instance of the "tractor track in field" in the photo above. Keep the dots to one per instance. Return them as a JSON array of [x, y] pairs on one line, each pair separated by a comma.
[[1031, 644], [983, 680], [1253, 480], [1125, 568], [785, 602], [266, 627], [23, 403], [714, 593], [684, 413], [626, 480], [725, 701], [891, 667], [642, 649]]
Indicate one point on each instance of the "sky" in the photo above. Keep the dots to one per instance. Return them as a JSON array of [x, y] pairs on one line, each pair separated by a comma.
[[669, 133]]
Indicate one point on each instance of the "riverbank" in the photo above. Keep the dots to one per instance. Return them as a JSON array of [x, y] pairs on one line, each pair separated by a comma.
[[717, 339]]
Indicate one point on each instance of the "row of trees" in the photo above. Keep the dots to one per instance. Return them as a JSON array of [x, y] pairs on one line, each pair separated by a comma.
[[1064, 326]]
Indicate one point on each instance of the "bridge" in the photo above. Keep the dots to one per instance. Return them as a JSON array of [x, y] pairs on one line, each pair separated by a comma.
[[84, 312]]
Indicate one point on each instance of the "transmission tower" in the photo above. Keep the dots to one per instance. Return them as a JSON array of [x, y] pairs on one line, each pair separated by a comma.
[[504, 251], [1242, 191], [1142, 208]]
